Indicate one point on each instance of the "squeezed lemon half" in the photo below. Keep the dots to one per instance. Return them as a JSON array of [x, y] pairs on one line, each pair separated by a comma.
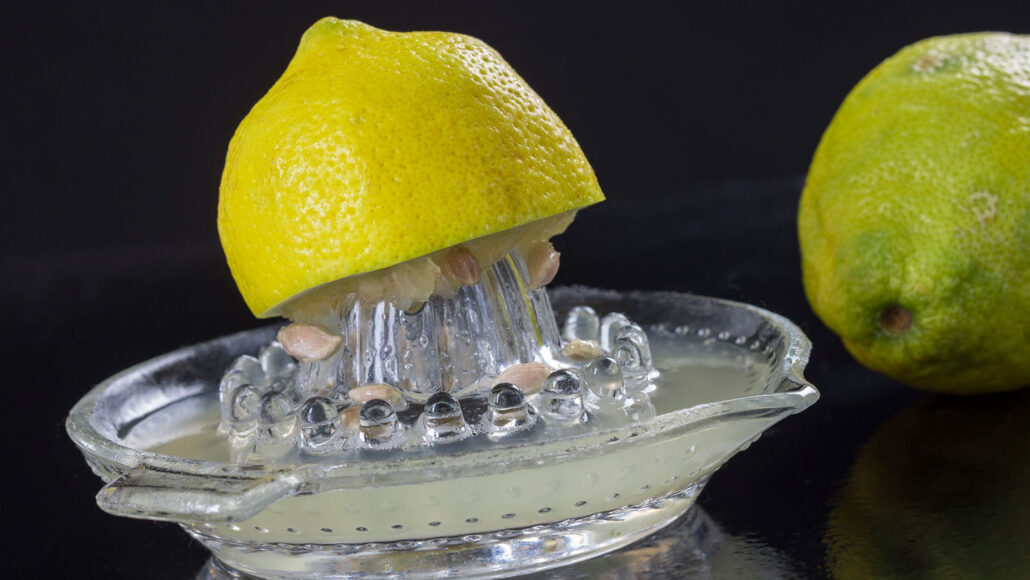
[[381, 162]]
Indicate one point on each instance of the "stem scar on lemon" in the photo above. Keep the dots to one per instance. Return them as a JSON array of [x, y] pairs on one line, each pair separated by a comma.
[[895, 319], [392, 166]]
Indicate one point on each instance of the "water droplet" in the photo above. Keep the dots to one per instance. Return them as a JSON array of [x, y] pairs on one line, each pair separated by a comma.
[[277, 431], [507, 411], [377, 423], [505, 396], [318, 411], [442, 404], [442, 420], [610, 324], [231, 381], [251, 368], [246, 403], [275, 407], [562, 398], [320, 427], [275, 362], [562, 382], [603, 376], [581, 323], [632, 350]]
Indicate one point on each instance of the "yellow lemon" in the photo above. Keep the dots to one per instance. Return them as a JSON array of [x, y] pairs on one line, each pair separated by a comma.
[[376, 148], [915, 219]]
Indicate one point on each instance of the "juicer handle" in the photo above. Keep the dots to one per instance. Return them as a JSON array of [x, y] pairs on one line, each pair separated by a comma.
[[155, 493]]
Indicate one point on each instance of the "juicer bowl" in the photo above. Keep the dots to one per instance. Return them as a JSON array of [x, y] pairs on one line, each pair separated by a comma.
[[451, 513]]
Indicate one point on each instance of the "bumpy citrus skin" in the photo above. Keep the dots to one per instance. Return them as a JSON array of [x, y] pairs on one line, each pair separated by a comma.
[[377, 147], [915, 219]]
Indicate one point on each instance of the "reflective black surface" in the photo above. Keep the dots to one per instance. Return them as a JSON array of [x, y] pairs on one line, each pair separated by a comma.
[[115, 124], [691, 547]]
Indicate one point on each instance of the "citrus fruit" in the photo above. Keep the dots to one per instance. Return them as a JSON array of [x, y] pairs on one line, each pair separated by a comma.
[[939, 491], [914, 222], [375, 155]]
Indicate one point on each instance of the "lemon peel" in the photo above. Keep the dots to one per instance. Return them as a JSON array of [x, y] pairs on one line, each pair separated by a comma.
[[376, 148]]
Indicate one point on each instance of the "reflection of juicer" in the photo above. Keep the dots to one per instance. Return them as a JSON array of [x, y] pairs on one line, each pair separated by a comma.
[[433, 420]]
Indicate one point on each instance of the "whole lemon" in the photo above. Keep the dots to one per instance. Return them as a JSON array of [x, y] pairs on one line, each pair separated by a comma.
[[915, 219], [375, 148]]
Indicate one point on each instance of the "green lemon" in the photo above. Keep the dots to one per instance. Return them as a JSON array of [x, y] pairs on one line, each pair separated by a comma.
[[915, 219]]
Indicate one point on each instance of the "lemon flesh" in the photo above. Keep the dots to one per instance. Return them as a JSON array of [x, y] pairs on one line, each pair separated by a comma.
[[409, 284], [914, 222], [376, 148]]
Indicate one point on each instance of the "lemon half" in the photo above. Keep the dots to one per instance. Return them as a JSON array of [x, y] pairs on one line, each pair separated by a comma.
[[378, 148]]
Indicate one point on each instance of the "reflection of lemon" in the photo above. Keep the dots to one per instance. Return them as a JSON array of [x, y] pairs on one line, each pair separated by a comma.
[[941, 491], [377, 147], [915, 219]]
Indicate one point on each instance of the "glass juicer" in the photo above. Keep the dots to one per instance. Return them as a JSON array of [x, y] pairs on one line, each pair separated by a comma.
[[497, 430]]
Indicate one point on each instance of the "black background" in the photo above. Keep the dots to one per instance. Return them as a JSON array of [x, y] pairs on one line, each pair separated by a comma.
[[699, 119]]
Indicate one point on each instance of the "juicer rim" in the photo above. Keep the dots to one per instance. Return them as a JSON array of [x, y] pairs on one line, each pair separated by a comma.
[[795, 396]]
